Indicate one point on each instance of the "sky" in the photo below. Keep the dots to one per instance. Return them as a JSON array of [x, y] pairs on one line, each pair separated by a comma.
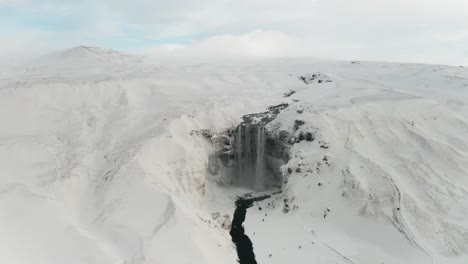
[[427, 31]]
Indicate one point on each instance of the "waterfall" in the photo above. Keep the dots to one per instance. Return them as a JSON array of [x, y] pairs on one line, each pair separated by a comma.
[[248, 155], [249, 146], [238, 151], [260, 162]]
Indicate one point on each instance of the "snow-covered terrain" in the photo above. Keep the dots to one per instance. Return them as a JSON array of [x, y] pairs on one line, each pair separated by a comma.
[[101, 161]]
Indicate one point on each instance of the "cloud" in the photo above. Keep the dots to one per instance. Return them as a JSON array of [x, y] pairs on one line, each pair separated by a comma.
[[255, 44], [444, 49], [398, 30]]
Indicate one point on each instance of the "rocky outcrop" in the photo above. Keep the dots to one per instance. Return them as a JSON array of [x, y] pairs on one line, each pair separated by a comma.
[[315, 78]]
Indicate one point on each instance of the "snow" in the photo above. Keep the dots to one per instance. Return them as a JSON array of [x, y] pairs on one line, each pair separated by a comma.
[[98, 165]]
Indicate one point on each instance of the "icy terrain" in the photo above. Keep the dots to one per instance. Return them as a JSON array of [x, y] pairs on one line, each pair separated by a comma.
[[105, 158]]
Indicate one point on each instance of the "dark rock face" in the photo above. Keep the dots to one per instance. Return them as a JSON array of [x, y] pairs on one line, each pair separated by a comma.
[[249, 155], [315, 78], [309, 136], [298, 123], [288, 94]]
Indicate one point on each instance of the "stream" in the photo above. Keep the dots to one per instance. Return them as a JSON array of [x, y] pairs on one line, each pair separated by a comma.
[[243, 243]]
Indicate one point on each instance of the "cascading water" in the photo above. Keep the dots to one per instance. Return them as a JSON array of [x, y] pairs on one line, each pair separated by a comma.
[[260, 162], [250, 155]]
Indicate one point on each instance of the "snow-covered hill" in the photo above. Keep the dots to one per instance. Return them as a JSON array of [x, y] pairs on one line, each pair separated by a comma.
[[89, 55], [109, 162]]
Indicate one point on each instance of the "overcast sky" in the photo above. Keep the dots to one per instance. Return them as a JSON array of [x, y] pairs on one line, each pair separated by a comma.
[[430, 31]]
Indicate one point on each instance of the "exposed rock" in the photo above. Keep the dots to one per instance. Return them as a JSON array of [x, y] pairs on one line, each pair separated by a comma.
[[298, 123], [309, 136], [288, 94], [301, 136], [315, 78], [286, 207], [323, 144], [206, 133], [223, 221]]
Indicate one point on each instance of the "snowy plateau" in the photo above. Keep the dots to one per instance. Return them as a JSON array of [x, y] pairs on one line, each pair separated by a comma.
[[108, 158]]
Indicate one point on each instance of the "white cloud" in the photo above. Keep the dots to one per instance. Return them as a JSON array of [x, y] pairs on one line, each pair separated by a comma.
[[444, 48], [401, 30], [255, 44]]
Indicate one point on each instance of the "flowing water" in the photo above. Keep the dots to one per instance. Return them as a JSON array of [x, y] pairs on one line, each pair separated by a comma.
[[243, 243], [250, 155]]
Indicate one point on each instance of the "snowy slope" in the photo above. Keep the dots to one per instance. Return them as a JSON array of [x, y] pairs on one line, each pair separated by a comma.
[[88, 55], [98, 165]]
